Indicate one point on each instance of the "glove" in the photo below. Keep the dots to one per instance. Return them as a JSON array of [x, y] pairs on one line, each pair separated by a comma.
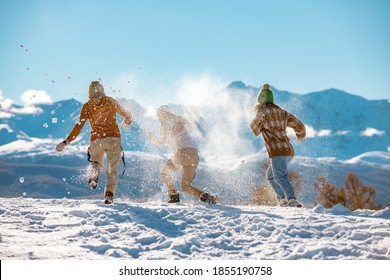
[[60, 147], [125, 125]]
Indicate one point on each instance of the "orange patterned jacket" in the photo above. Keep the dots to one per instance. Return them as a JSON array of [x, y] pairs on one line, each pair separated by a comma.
[[101, 113]]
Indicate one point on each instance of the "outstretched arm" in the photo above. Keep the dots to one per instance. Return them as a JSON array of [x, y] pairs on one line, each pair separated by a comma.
[[128, 118], [79, 125], [75, 131], [297, 125]]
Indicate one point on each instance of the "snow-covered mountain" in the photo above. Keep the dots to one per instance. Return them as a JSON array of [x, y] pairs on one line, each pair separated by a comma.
[[345, 133], [339, 124]]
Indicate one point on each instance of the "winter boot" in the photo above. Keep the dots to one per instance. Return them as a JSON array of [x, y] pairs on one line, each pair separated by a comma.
[[208, 198], [292, 202], [174, 198], [109, 198], [93, 175], [283, 202]]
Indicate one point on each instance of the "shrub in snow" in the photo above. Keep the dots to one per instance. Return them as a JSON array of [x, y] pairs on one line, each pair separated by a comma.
[[265, 195], [353, 195]]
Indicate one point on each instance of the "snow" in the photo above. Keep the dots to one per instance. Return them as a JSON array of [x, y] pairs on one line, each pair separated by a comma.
[[369, 132], [31, 146], [5, 115], [368, 157], [50, 229], [27, 110], [6, 127]]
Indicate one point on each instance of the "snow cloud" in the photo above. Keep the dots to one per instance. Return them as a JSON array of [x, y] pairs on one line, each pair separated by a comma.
[[200, 91], [146, 90], [35, 97], [370, 132], [222, 114]]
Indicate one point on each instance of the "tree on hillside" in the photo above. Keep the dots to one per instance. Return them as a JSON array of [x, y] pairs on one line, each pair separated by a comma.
[[353, 195], [357, 195]]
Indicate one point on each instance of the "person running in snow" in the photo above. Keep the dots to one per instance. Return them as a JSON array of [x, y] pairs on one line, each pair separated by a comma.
[[174, 133], [105, 138], [271, 121]]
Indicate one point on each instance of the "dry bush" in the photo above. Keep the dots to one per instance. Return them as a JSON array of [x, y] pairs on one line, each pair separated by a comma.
[[327, 194], [265, 195], [353, 195]]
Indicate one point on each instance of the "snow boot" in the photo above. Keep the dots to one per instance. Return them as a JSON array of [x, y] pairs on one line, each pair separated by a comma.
[[208, 198], [292, 202], [93, 183], [93, 175], [109, 198], [174, 198], [283, 202]]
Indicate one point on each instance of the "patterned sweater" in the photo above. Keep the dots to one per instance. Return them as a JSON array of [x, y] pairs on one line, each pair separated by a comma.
[[101, 113], [272, 121]]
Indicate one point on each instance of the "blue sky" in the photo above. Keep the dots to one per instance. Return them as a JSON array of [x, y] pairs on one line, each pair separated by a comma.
[[149, 50]]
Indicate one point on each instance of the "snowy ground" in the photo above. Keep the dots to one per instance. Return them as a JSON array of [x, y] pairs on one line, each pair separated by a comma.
[[51, 229]]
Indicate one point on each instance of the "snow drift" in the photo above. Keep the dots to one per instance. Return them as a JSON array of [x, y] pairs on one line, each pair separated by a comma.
[[87, 229]]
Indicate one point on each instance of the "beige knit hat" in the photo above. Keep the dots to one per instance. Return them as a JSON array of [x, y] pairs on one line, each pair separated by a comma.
[[96, 90]]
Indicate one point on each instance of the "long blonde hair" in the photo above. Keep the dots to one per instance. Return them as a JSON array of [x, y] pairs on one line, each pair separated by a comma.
[[96, 90]]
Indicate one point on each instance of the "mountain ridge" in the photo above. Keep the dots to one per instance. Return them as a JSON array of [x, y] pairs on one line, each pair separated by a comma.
[[340, 139]]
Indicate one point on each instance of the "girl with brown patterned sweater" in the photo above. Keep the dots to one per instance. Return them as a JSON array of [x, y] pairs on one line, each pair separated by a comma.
[[271, 121]]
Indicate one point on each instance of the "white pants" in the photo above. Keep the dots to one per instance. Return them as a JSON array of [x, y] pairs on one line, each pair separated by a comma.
[[111, 146]]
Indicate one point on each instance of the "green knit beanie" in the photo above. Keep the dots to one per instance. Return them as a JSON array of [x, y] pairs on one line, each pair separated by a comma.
[[265, 95]]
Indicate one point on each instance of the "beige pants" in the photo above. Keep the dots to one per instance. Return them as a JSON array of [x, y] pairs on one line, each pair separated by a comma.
[[187, 160], [111, 146]]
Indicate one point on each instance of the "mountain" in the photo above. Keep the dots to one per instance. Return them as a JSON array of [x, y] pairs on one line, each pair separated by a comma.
[[345, 133], [341, 125]]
